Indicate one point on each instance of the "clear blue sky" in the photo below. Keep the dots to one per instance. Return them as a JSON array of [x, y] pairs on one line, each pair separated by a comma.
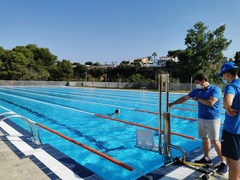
[[113, 30]]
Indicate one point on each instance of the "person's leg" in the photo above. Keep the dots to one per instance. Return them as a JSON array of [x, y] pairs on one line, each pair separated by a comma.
[[234, 169], [213, 130], [205, 141], [217, 146], [206, 144], [206, 147]]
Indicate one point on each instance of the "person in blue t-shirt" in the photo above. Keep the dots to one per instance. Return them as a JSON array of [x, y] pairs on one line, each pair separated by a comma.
[[208, 98], [231, 127]]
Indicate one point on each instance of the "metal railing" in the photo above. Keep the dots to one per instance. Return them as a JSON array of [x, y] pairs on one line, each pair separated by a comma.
[[30, 124]]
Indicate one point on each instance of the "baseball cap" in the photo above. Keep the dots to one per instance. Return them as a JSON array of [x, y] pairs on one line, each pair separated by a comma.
[[227, 66]]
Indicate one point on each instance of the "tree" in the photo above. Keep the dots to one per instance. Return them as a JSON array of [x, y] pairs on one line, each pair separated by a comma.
[[96, 64], [44, 62], [154, 55], [89, 63], [79, 71], [2, 54], [64, 70], [203, 53], [237, 58], [14, 66]]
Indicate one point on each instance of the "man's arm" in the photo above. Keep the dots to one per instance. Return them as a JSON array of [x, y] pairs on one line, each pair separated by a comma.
[[180, 100], [227, 104], [209, 102]]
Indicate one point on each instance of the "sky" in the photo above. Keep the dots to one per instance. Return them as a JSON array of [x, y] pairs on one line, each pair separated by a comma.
[[109, 31]]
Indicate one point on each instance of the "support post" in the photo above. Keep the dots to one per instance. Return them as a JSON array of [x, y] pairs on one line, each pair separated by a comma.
[[167, 139], [160, 113]]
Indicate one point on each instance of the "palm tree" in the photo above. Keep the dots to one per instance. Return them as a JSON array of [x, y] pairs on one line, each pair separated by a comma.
[[154, 55]]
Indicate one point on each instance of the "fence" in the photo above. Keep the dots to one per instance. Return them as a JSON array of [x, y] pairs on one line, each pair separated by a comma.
[[118, 85]]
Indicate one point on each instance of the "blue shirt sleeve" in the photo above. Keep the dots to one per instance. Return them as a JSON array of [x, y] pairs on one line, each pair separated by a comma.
[[192, 94], [216, 93], [230, 90]]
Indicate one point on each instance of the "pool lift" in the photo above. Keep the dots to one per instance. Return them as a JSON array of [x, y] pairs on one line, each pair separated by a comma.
[[144, 138]]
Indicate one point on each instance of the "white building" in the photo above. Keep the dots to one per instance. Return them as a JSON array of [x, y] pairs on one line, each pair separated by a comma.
[[162, 61]]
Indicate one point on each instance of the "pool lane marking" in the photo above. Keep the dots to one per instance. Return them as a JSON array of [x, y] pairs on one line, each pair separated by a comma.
[[49, 95], [42, 102], [90, 101], [180, 117], [95, 94], [89, 97], [109, 105], [30, 92], [141, 125], [102, 116], [88, 148], [78, 95]]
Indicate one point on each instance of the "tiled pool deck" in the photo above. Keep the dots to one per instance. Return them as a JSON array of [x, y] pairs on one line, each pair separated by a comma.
[[21, 159]]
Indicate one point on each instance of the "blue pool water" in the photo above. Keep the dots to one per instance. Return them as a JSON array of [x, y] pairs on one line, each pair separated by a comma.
[[71, 111]]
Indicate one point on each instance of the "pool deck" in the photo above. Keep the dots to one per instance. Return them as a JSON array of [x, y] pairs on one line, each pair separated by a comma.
[[21, 159]]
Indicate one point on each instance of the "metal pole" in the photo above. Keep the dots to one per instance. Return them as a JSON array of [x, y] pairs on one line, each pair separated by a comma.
[[106, 80], [167, 131], [159, 113], [167, 91], [167, 126]]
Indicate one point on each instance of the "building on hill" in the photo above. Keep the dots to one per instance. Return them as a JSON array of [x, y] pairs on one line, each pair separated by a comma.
[[141, 62], [148, 62], [162, 61]]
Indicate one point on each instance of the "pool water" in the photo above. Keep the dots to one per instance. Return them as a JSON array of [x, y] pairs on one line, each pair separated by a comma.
[[71, 112]]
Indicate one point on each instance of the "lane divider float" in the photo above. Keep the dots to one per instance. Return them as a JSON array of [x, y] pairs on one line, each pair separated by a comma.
[[141, 125], [88, 148], [180, 117]]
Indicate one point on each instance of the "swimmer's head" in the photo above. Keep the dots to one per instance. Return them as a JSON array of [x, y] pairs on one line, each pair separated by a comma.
[[117, 111]]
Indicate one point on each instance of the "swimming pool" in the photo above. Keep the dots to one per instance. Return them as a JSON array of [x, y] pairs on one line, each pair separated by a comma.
[[72, 112]]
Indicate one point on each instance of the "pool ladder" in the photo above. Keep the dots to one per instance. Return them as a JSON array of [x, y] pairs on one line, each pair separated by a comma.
[[31, 124]]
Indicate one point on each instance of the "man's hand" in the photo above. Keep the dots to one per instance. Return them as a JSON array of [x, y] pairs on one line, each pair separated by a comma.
[[195, 99], [231, 111], [170, 104]]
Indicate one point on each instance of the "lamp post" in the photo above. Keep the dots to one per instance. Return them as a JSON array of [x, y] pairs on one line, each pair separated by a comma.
[[86, 75], [105, 77]]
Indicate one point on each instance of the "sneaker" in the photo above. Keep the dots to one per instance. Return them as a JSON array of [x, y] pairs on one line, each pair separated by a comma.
[[223, 169], [204, 161]]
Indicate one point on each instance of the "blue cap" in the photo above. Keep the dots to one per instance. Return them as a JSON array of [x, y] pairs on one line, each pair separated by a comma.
[[227, 66]]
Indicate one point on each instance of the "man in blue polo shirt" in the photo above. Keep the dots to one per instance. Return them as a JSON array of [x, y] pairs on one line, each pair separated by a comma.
[[208, 98], [231, 127]]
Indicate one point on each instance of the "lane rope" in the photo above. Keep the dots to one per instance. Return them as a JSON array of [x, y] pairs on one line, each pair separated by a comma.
[[141, 125], [180, 117], [88, 148]]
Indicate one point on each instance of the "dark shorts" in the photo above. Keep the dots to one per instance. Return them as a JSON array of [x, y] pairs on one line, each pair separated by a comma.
[[230, 145]]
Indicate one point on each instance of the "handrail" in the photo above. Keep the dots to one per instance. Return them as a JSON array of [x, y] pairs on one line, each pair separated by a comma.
[[88, 148], [28, 122], [32, 124]]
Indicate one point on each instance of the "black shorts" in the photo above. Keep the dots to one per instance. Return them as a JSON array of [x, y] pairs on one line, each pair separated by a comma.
[[230, 145]]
